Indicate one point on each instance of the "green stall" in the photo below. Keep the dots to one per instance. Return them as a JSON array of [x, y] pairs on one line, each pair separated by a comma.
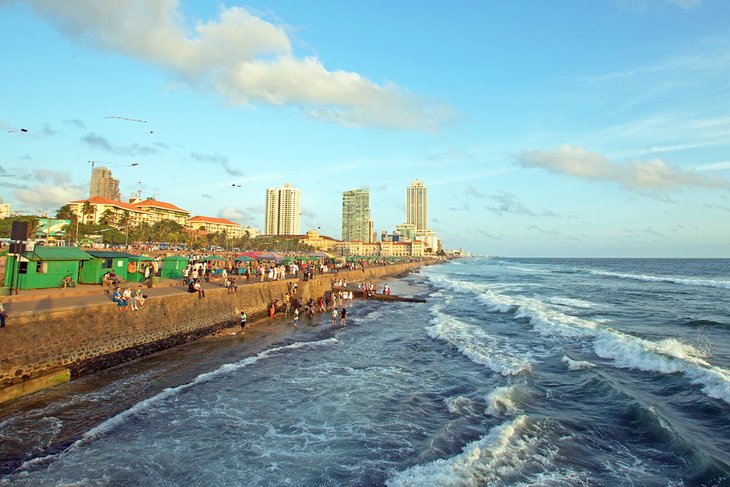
[[173, 266], [135, 269], [44, 267], [102, 262]]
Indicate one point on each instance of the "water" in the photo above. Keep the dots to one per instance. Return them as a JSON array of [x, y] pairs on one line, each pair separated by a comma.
[[515, 372]]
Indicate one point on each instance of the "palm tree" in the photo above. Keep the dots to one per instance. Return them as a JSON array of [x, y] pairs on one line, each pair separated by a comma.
[[106, 217], [87, 210]]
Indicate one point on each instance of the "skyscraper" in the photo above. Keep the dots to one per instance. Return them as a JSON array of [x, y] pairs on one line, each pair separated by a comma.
[[417, 205], [282, 211], [103, 184], [356, 223]]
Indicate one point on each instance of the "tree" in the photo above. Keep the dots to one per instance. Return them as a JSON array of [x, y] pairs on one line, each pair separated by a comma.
[[87, 210], [65, 213], [107, 217]]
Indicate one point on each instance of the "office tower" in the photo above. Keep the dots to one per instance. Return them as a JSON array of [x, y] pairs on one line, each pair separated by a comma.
[[356, 215], [417, 205], [283, 211], [103, 184]]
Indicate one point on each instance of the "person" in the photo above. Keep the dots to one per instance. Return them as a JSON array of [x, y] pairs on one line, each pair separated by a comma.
[[113, 279], [2, 315], [343, 316], [242, 316], [148, 276], [272, 309], [335, 315], [198, 286], [287, 305], [296, 316], [232, 286], [139, 297], [191, 286], [385, 288], [127, 295], [119, 299], [105, 280]]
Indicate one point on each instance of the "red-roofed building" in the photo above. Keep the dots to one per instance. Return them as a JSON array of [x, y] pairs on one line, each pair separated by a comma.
[[118, 210], [211, 224], [159, 211]]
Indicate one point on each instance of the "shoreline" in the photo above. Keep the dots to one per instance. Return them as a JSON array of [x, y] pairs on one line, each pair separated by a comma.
[[75, 342]]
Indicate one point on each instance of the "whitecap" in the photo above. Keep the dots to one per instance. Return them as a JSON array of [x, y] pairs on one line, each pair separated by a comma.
[[108, 425], [479, 463], [669, 279], [500, 402], [477, 345], [576, 364], [460, 405]]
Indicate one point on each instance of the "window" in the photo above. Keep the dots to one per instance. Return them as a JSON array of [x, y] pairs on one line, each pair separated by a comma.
[[107, 264], [41, 268]]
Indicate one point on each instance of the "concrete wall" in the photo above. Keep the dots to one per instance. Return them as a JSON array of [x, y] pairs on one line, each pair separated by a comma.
[[95, 337]]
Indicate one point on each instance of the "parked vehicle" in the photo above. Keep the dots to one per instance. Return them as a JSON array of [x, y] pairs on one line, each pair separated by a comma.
[[67, 281]]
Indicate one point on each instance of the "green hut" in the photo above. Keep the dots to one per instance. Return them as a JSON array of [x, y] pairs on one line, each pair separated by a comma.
[[173, 266], [135, 269], [101, 262], [44, 267]]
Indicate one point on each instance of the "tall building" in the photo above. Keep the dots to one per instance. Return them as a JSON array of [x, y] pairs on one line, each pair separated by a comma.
[[417, 205], [282, 211], [356, 223], [103, 184]]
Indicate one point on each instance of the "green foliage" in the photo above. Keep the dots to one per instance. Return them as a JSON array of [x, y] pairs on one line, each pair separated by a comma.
[[6, 224]]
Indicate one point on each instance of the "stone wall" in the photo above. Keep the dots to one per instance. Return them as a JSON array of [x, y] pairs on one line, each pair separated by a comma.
[[94, 337]]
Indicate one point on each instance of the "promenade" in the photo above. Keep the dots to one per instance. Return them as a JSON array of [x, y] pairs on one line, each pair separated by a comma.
[[78, 330]]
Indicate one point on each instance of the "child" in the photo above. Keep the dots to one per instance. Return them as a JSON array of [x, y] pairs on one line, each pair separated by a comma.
[[244, 318]]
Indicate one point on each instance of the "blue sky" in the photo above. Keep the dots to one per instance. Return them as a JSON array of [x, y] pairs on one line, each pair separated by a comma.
[[556, 128]]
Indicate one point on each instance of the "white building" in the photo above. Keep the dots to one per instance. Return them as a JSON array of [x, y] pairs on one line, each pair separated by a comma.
[[417, 205], [103, 184], [356, 222], [283, 211]]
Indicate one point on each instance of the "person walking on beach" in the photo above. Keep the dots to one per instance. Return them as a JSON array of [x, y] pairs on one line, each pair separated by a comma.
[[335, 315], [242, 316]]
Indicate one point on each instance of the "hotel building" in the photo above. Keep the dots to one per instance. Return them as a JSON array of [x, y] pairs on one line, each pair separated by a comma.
[[283, 211], [417, 205], [356, 223]]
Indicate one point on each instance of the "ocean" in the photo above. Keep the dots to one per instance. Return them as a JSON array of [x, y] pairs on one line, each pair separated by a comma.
[[527, 372]]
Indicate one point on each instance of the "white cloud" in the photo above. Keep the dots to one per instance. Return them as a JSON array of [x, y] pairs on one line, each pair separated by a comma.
[[44, 196], [243, 58], [717, 166], [581, 163]]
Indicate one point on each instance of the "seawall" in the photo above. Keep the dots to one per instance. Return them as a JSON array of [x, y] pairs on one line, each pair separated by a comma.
[[70, 343]]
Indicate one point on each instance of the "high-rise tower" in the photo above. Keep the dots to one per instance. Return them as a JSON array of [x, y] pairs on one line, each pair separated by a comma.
[[417, 205], [103, 184], [282, 211], [356, 223]]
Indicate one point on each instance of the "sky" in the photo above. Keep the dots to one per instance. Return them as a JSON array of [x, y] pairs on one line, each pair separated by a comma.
[[541, 128]]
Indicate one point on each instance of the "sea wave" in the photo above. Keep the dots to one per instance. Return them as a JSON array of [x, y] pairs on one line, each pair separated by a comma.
[[460, 405], [667, 356], [477, 345], [108, 425], [480, 462], [501, 401], [673, 280], [576, 364]]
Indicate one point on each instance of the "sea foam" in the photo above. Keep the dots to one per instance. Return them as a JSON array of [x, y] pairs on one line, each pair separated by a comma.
[[477, 345], [669, 279], [479, 463], [668, 356], [500, 402], [576, 364], [108, 425]]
